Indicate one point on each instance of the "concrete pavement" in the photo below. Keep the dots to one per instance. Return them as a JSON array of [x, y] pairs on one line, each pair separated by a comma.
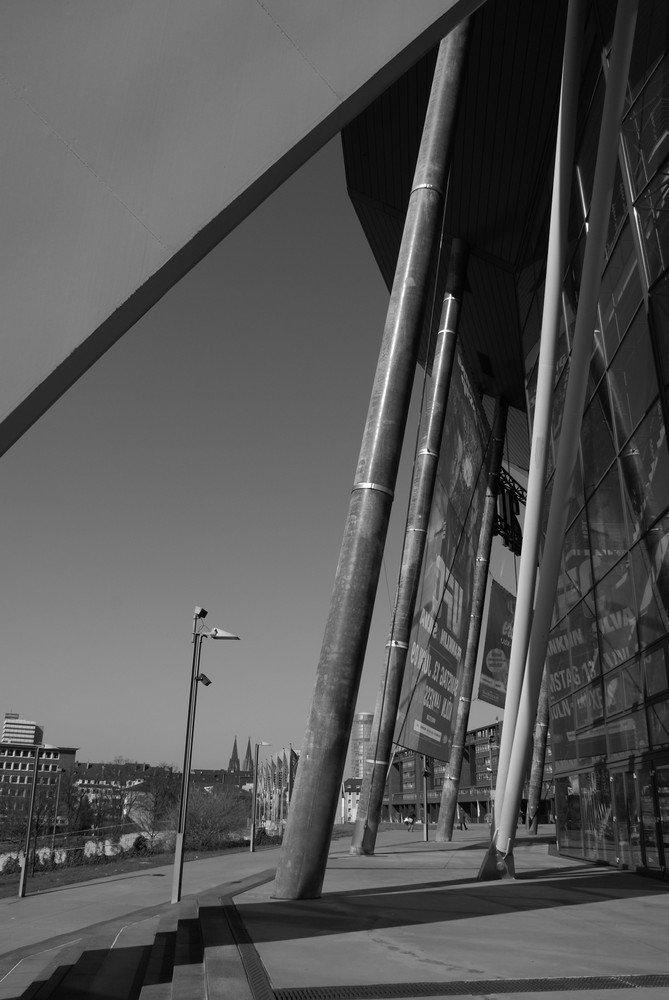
[[409, 920]]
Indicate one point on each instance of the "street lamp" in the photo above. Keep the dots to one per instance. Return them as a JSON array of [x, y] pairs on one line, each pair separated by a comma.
[[254, 802], [196, 677]]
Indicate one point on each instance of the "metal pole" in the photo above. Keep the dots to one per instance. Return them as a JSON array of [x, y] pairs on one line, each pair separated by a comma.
[[305, 847], [33, 790], [183, 798], [536, 483], [55, 812], [252, 845], [501, 862], [451, 785], [424, 477], [425, 814]]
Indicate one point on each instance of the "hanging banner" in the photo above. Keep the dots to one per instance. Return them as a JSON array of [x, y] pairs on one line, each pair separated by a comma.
[[497, 646], [443, 606]]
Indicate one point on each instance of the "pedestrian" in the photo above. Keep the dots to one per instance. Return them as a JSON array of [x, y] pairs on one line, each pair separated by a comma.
[[462, 817], [409, 820]]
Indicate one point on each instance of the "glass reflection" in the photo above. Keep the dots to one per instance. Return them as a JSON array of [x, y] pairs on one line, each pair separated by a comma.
[[616, 616]]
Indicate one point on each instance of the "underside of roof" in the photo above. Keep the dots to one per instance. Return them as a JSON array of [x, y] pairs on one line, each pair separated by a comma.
[[500, 181]]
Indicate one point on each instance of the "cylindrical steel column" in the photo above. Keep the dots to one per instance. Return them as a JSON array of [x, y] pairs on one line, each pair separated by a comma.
[[304, 852], [586, 318], [536, 483], [451, 785], [425, 473]]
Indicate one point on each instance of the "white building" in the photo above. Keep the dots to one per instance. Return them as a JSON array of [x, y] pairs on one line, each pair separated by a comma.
[[15, 730], [361, 733]]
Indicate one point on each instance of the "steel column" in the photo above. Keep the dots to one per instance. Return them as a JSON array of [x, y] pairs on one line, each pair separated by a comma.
[[586, 319], [425, 473], [451, 785], [304, 852], [536, 484]]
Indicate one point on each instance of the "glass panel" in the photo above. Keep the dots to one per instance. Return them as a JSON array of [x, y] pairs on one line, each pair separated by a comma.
[[563, 739], [646, 128], [658, 720], [649, 587], [608, 524], [596, 445], [599, 839], [620, 294], [616, 616], [623, 689], [659, 313], [627, 734], [650, 42], [655, 666], [622, 821], [662, 785], [653, 213], [634, 819], [649, 831], [645, 464], [632, 382], [568, 813], [572, 653], [576, 573]]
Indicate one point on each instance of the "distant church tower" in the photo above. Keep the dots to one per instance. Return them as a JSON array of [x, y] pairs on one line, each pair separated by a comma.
[[233, 766], [241, 774]]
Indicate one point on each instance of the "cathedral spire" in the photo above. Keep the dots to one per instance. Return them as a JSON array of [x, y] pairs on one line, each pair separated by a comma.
[[233, 766]]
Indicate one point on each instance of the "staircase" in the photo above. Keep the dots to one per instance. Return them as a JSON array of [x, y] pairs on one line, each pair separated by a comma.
[[193, 950]]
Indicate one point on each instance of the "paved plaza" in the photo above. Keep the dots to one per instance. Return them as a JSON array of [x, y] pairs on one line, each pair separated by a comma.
[[409, 919]]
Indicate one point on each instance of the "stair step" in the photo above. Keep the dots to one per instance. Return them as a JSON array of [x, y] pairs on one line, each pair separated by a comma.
[[224, 971], [121, 974], [158, 975], [188, 978], [40, 976]]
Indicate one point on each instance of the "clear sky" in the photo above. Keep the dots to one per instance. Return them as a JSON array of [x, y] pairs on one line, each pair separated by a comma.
[[206, 459]]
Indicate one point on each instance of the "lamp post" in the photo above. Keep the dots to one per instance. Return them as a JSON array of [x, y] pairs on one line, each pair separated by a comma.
[[31, 808], [55, 811], [254, 802], [196, 678]]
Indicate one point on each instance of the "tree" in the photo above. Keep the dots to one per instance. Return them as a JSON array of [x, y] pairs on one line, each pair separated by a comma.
[[214, 817], [156, 800]]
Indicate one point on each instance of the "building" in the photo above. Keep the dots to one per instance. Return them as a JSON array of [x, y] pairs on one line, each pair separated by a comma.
[[17, 771], [350, 798], [608, 652], [16, 730], [359, 746], [409, 777]]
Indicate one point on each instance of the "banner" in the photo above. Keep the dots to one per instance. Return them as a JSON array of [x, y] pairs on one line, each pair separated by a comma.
[[443, 606], [497, 646]]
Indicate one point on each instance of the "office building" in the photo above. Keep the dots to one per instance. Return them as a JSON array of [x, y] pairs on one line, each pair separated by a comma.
[[16, 730]]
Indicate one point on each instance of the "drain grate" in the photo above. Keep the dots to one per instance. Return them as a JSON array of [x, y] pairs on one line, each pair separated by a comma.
[[253, 967], [469, 987]]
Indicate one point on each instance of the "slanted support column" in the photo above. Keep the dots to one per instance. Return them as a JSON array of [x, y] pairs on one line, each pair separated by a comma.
[[538, 758], [449, 791], [536, 483], [304, 853], [586, 318], [422, 489]]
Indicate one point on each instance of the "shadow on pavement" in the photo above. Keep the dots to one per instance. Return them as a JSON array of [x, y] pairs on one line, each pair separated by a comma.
[[355, 910]]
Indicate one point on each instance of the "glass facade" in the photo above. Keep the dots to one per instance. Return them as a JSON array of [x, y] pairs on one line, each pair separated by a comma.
[[608, 653]]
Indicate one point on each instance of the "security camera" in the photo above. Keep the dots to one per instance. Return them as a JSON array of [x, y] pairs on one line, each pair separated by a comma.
[[200, 613], [204, 679]]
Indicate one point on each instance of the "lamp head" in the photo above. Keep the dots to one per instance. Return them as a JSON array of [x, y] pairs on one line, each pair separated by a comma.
[[219, 633]]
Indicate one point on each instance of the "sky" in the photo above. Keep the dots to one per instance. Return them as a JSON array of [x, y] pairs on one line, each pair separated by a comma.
[[207, 459]]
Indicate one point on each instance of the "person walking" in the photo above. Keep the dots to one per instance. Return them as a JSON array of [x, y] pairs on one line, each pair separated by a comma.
[[462, 817], [409, 820]]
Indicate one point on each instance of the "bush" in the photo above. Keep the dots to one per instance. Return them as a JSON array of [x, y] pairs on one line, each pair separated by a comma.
[[214, 818]]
